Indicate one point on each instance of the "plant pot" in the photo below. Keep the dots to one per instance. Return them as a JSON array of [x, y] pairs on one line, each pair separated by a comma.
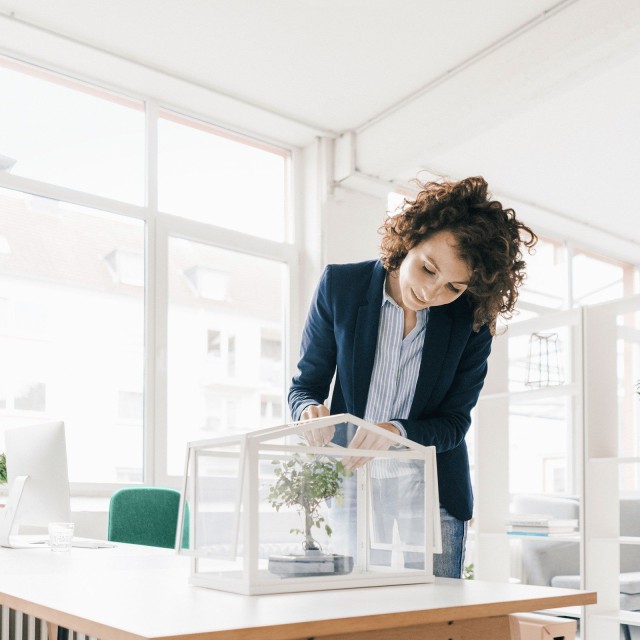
[[311, 563]]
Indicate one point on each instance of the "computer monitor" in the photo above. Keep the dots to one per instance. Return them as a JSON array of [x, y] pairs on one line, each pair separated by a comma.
[[38, 480]]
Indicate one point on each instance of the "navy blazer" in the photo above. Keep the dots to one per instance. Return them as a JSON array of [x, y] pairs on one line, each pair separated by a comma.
[[340, 336]]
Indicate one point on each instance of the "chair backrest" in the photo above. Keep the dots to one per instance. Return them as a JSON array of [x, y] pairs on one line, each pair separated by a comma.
[[147, 516]]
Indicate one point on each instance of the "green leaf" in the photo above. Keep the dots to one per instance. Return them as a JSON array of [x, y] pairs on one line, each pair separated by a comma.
[[305, 483]]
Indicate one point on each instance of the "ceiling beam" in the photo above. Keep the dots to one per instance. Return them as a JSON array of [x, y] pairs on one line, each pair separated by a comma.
[[501, 81], [38, 45]]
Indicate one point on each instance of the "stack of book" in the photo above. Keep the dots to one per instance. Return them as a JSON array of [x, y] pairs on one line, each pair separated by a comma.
[[533, 524]]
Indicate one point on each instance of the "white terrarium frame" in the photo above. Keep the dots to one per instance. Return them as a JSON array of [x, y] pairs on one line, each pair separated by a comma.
[[251, 579]]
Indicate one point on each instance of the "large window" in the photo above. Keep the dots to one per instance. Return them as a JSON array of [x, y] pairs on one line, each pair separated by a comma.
[[543, 380], [71, 134], [210, 175], [73, 331], [140, 327], [560, 276], [216, 382], [547, 283]]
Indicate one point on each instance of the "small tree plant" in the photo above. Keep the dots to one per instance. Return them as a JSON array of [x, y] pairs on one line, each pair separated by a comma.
[[305, 483], [3, 468]]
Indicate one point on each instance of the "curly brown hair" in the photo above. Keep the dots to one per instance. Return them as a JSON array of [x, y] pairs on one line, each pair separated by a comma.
[[488, 236]]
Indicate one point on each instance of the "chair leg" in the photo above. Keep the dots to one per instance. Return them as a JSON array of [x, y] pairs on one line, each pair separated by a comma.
[[626, 632]]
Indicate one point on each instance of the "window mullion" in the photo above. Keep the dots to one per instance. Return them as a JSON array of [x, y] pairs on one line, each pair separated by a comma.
[[153, 283]]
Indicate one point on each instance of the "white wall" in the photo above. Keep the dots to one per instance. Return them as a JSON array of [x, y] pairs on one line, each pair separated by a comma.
[[352, 220], [334, 225]]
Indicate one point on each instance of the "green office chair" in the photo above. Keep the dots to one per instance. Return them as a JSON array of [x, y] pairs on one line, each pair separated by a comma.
[[147, 516]]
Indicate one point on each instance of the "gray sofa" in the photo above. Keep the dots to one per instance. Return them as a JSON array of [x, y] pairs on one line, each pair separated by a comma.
[[556, 563]]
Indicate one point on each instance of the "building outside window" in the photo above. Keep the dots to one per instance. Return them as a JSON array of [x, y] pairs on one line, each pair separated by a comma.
[[74, 332], [214, 343], [271, 369], [220, 388], [103, 305]]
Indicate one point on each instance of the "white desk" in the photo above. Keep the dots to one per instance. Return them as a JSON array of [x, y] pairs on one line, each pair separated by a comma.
[[132, 592]]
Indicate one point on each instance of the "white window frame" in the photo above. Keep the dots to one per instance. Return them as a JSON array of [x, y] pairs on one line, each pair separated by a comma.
[[168, 226], [159, 227]]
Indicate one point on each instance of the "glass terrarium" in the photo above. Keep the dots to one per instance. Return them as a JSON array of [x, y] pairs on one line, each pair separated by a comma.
[[270, 513]]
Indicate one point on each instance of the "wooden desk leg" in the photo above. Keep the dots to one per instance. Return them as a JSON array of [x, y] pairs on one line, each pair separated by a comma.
[[52, 631], [494, 628], [56, 632]]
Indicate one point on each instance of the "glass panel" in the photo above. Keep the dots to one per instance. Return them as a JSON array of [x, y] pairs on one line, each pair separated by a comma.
[[71, 134], [313, 519], [216, 501], [320, 507], [218, 380], [596, 280], [539, 437], [214, 176], [72, 334], [397, 502], [546, 284]]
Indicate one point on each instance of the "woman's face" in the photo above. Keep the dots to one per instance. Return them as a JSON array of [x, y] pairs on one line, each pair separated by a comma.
[[432, 273]]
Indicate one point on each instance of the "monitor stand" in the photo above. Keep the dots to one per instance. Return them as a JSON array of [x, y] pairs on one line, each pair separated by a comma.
[[8, 515]]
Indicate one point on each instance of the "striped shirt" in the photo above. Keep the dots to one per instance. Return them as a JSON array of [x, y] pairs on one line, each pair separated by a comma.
[[396, 365], [395, 373]]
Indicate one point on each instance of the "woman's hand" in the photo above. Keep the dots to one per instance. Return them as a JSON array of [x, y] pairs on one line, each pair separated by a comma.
[[365, 439], [324, 435]]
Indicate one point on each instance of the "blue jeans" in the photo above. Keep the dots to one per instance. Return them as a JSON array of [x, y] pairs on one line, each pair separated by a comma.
[[450, 563]]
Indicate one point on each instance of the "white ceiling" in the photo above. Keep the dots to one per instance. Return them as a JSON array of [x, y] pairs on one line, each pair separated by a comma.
[[542, 97]]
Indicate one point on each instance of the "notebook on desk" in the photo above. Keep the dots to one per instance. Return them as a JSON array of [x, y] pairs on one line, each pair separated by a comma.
[[88, 543], [42, 542]]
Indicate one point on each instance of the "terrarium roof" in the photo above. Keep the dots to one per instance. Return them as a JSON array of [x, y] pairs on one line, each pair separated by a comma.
[[299, 428]]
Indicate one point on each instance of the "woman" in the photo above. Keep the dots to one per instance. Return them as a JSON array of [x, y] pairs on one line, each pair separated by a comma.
[[408, 336]]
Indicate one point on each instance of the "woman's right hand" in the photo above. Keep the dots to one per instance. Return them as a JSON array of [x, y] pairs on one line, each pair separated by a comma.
[[317, 437]]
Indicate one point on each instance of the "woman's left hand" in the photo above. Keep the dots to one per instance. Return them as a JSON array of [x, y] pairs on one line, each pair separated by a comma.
[[365, 439]]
